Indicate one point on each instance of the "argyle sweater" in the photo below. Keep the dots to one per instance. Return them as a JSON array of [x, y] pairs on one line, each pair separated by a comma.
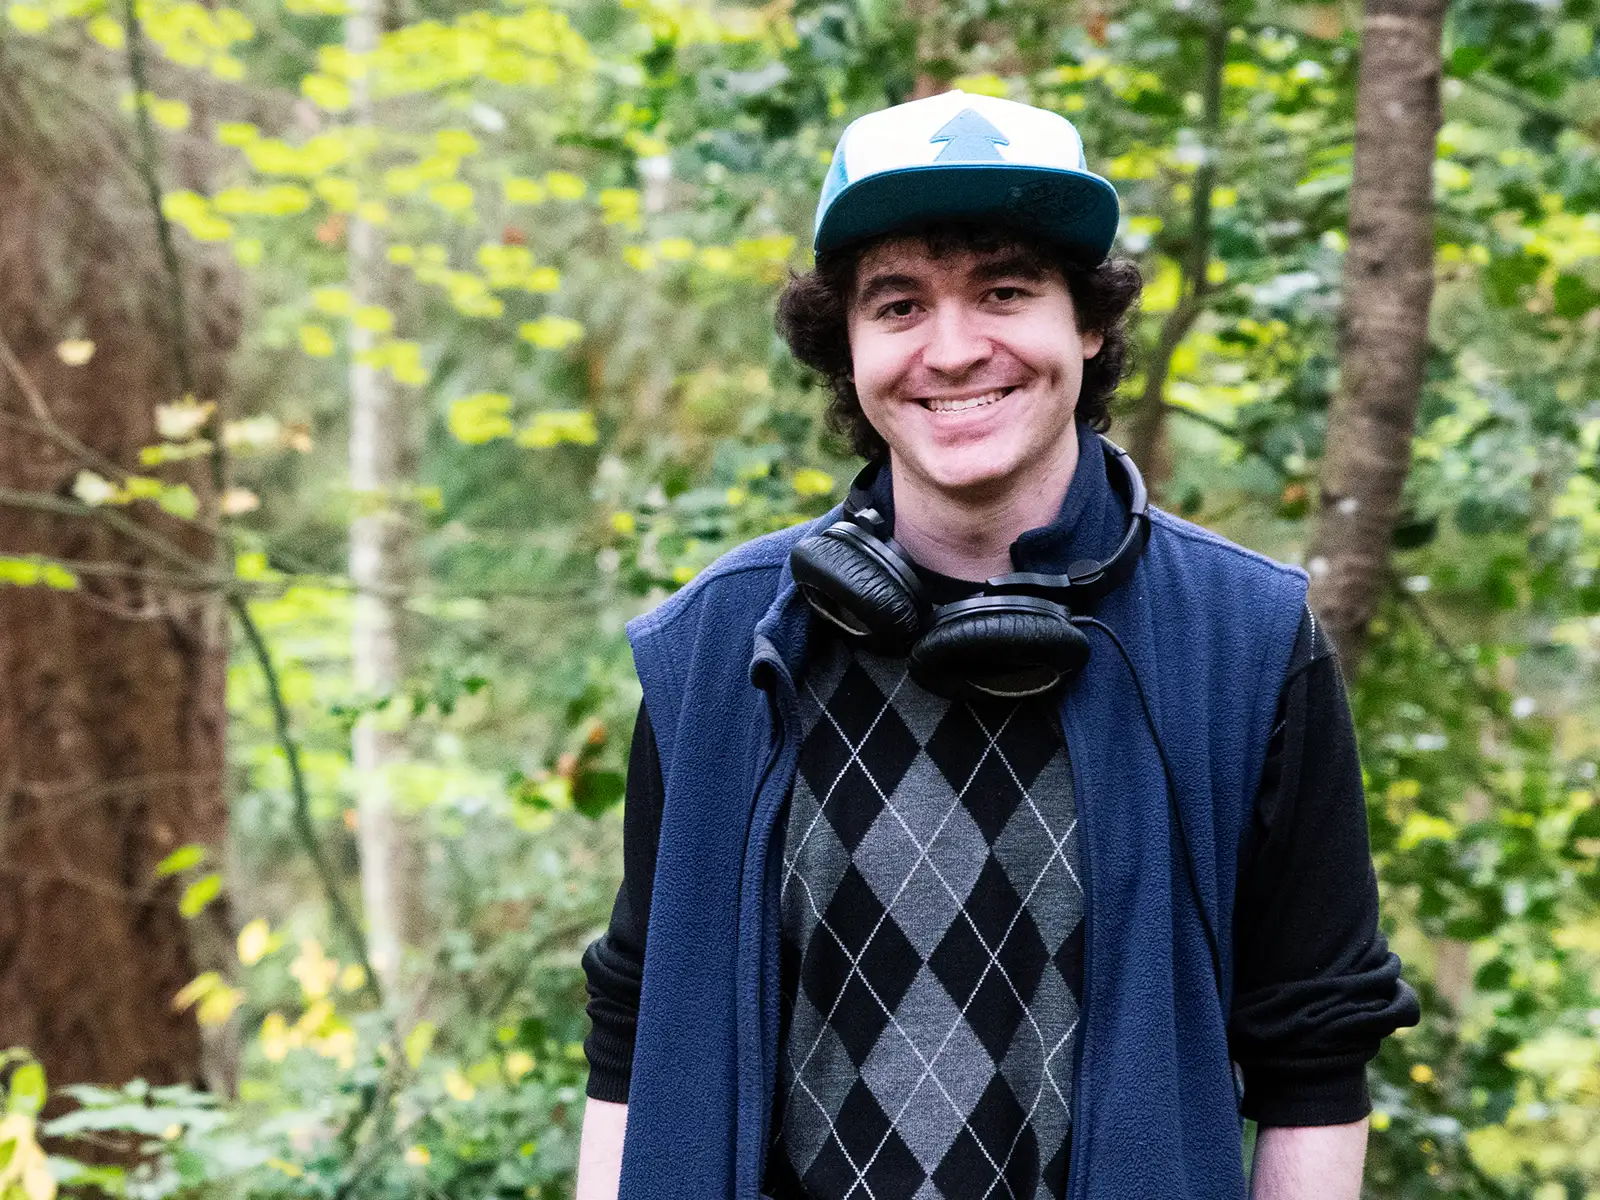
[[932, 944]]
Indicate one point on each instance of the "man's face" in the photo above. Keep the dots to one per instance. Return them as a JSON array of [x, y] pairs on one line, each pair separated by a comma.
[[968, 364]]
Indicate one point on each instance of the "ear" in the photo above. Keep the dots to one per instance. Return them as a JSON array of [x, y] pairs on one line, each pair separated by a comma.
[[1092, 341]]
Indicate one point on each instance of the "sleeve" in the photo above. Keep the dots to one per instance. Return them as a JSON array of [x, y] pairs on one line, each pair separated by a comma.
[[613, 965], [1316, 988]]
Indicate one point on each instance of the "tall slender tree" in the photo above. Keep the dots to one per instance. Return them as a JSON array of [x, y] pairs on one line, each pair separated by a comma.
[[383, 469], [1388, 288]]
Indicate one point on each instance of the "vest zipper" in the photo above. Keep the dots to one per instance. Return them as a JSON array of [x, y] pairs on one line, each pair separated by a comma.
[[763, 819], [1077, 1171]]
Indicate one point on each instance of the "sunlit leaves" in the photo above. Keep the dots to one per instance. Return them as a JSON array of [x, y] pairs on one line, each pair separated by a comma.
[[808, 481], [481, 418], [552, 428], [550, 332], [519, 190], [184, 418], [195, 214], [18, 571], [199, 893], [316, 341], [95, 490], [255, 941], [564, 185], [486, 417], [213, 1000]]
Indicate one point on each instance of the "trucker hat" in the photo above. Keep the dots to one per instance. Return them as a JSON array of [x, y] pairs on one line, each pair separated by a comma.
[[965, 156]]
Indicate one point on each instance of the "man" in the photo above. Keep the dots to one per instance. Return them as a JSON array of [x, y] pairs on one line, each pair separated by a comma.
[[938, 887]]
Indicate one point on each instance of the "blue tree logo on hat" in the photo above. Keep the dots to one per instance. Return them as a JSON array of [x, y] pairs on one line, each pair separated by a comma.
[[969, 138]]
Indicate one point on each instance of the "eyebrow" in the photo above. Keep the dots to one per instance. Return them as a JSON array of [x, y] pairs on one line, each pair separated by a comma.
[[879, 285], [1012, 266]]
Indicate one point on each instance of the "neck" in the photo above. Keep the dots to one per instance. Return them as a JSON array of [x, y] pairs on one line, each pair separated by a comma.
[[968, 534]]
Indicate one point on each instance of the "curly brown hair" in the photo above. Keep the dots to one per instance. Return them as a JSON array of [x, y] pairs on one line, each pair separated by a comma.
[[813, 308]]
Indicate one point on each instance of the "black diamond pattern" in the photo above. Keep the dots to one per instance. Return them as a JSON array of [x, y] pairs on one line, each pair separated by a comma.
[[1069, 960], [946, 1120]]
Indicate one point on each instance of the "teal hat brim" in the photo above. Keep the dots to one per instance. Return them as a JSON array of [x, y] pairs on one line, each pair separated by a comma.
[[1075, 208]]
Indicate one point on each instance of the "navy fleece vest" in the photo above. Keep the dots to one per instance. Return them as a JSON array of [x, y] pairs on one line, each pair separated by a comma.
[[1209, 627]]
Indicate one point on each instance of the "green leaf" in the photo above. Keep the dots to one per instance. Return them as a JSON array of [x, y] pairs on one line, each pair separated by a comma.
[[418, 1041], [178, 500], [27, 1090], [595, 791], [1507, 276], [1574, 297], [181, 859], [199, 894]]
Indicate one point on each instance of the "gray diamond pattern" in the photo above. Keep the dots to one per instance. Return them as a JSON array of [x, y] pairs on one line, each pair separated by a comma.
[[948, 946]]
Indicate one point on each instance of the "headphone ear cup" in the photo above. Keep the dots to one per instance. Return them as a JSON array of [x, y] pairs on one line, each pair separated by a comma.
[[999, 647], [856, 591]]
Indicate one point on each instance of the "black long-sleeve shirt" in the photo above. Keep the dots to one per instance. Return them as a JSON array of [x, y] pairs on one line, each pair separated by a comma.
[[1316, 987]]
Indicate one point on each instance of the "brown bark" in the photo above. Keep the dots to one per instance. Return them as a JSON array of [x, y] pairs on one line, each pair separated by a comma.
[[112, 709], [1388, 286]]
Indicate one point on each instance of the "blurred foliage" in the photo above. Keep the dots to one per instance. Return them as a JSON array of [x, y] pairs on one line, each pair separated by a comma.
[[589, 206]]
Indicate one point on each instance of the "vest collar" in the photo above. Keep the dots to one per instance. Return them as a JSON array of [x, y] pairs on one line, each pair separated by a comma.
[[1089, 524]]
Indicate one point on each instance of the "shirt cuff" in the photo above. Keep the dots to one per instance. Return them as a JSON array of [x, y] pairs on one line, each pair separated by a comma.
[[610, 1067], [1315, 1096]]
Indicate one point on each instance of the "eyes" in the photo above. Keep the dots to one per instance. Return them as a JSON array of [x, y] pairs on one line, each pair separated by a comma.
[[1004, 297]]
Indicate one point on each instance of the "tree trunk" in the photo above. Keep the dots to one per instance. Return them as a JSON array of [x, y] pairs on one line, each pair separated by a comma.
[[112, 711], [383, 470], [1388, 286]]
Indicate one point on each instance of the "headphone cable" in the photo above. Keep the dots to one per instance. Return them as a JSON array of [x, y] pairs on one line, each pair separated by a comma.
[[1172, 797]]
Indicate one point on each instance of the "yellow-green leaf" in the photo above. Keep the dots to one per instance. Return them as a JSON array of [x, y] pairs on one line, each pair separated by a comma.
[[561, 425], [550, 332], [316, 341], [481, 418], [564, 185], [26, 1090], [199, 894], [374, 318], [418, 1041], [179, 500], [808, 481], [181, 859], [335, 301]]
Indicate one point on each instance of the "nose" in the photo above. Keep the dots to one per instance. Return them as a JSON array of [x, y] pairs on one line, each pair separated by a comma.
[[956, 343]]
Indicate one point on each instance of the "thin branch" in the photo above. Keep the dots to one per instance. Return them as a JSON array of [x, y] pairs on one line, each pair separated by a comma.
[[1490, 696], [305, 827], [154, 542], [146, 163], [1248, 445], [47, 423], [68, 798]]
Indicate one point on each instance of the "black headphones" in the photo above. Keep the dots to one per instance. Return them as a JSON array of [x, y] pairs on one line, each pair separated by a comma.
[[1015, 638]]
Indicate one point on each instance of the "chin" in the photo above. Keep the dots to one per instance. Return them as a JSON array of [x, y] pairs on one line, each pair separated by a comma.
[[976, 468]]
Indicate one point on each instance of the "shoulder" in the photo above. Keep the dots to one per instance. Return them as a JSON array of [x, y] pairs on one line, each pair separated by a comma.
[[1196, 567], [1201, 546], [744, 581]]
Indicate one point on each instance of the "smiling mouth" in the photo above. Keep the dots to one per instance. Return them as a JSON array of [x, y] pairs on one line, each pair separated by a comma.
[[967, 403]]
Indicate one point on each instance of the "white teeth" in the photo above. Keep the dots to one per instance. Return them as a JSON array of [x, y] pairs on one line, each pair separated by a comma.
[[964, 404]]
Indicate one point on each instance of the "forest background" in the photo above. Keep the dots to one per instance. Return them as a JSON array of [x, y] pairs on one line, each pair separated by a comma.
[[365, 365]]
